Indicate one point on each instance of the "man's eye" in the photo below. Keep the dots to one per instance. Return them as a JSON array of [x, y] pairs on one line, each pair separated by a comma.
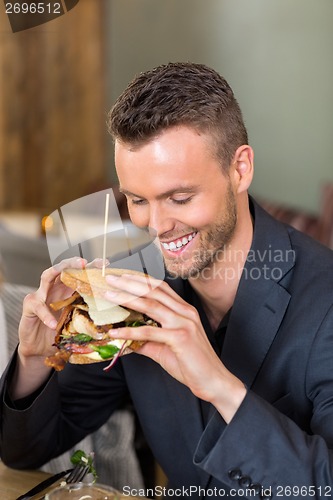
[[182, 201], [138, 201]]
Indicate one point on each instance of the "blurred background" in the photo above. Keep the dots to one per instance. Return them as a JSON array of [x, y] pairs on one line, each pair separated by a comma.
[[59, 80]]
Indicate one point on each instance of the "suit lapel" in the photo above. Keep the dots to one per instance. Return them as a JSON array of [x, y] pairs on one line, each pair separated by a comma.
[[253, 324], [261, 300]]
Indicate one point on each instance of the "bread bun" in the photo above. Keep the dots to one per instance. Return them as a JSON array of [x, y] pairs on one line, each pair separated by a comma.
[[90, 281], [83, 359]]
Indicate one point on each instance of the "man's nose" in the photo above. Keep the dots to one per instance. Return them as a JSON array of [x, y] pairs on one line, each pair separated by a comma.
[[159, 221]]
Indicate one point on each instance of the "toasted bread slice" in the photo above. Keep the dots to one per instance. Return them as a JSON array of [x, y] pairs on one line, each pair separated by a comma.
[[90, 281]]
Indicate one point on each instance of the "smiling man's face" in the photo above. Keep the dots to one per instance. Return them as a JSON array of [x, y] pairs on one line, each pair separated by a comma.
[[176, 188]]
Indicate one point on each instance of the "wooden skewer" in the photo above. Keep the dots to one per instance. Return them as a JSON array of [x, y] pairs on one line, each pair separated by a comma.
[[106, 216]]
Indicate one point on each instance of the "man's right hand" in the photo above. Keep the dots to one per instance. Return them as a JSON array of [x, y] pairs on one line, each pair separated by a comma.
[[37, 329]]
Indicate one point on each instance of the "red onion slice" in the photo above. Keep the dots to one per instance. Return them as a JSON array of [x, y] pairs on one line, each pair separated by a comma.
[[116, 356]]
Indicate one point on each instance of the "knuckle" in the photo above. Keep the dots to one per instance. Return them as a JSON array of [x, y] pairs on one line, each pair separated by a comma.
[[150, 304], [182, 335], [45, 276], [33, 303], [192, 313], [144, 330], [28, 299], [158, 283]]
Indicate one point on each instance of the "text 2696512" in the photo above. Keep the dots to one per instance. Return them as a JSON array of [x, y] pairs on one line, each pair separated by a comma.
[[33, 8], [304, 491]]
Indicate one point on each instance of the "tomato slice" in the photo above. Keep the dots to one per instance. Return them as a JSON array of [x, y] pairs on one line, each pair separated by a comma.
[[79, 349]]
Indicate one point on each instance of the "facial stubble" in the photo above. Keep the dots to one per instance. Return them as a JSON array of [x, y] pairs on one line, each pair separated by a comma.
[[211, 246]]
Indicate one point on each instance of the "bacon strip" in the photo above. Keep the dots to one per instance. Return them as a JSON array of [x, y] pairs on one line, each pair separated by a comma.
[[56, 306], [58, 360], [64, 317]]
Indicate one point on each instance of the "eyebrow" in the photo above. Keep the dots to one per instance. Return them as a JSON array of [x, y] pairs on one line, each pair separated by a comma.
[[165, 194]]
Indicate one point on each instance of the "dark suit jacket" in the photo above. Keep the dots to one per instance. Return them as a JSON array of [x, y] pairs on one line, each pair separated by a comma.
[[279, 342]]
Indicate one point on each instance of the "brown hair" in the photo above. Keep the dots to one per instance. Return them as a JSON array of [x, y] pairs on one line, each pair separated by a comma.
[[179, 94]]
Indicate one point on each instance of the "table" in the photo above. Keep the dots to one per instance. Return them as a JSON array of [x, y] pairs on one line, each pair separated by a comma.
[[14, 483]]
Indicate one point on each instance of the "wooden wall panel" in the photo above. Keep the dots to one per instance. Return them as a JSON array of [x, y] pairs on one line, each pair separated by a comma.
[[52, 126]]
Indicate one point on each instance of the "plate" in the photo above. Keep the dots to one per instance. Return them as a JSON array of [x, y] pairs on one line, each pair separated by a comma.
[[83, 491]]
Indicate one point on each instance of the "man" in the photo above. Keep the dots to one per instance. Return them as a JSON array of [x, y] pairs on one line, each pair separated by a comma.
[[235, 390]]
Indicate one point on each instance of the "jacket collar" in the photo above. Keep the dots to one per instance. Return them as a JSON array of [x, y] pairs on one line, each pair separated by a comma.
[[261, 300]]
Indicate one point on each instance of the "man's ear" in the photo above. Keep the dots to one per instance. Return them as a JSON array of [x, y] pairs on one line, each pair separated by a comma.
[[242, 168]]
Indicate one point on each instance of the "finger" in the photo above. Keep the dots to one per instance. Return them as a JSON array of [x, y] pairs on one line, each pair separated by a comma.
[[147, 283], [123, 298], [168, 315], [127, 283], [144, 334], [143, 278], [131, 286], [158, 306], [49, 275], [35, 307], [99, 263]]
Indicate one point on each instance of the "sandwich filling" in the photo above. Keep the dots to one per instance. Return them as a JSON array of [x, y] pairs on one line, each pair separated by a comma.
[[83, 330]]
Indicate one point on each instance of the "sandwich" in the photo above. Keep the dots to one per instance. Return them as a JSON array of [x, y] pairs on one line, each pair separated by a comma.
[[87, 317]]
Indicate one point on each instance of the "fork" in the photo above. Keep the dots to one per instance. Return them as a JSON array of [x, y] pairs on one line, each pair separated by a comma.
[[74, 475], [77, 474]]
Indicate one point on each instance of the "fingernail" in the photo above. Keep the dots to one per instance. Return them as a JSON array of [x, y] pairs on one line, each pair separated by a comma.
[[113, 333], [112, 277], [102, 261], [110, 294], [52, 324]]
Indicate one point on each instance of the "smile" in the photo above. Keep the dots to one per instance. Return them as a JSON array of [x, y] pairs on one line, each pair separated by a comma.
[[179, 243]]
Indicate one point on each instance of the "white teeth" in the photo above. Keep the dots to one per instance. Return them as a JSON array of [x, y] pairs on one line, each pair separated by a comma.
[[175, 245]]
